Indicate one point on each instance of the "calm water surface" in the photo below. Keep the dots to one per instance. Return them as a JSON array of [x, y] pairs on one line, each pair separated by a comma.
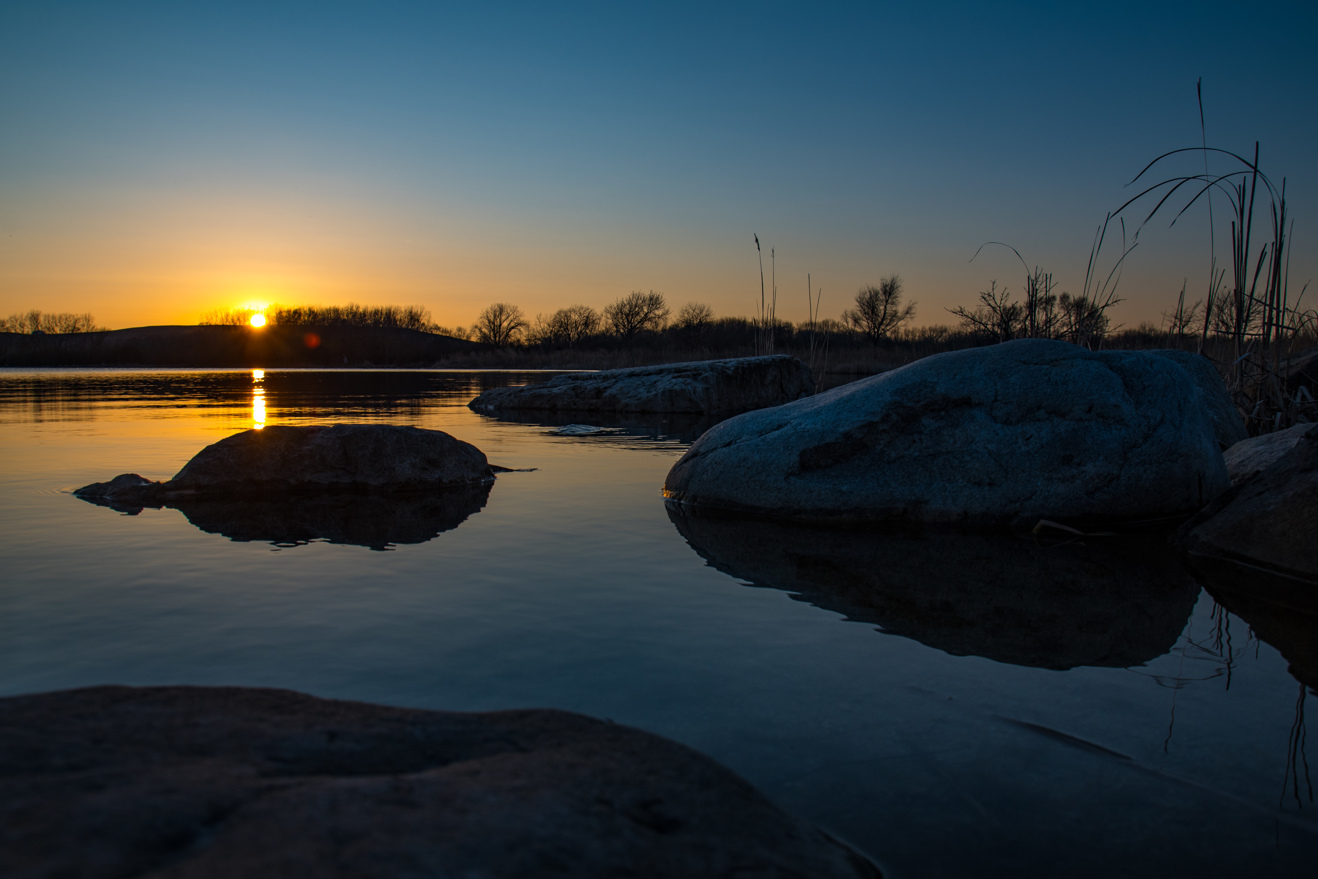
[[948, 705]]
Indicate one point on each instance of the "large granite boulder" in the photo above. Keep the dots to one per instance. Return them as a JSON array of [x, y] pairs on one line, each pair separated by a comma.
[[284, 459], [1268, 520], [1108, 602], [707, 386], [1228, 423], [183, 781], [996, 436]]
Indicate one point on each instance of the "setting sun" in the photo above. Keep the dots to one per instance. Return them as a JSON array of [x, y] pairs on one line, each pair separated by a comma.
[[258, 320]]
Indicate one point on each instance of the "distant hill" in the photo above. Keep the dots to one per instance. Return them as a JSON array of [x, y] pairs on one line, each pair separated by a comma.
[[221, 346]]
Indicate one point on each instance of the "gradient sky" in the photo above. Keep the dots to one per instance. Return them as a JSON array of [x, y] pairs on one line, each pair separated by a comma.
[[159, 160]]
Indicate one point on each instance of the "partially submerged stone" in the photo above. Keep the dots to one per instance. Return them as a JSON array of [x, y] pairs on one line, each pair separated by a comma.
[[703, 387], [284, 459], [193, 781], [1268, 520], [990, 437]]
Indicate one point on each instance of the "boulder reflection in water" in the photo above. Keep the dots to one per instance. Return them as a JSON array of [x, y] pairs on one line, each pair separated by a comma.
[[365, 519], [1010, 599]]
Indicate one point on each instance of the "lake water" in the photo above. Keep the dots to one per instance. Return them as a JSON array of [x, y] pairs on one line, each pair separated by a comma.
[[949, 705]]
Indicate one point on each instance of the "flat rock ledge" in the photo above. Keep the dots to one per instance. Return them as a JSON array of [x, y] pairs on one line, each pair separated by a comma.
[[170, 782], [986, 438], [1252, 456], [283, 459], [702, 387], [1268, 519]]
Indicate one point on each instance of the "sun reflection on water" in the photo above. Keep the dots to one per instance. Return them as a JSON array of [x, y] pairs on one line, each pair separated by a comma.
[[258, 399]]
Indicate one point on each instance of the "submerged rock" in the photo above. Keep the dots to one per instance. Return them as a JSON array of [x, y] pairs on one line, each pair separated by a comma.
[[192, 781], [995, 436], [126, 492], [282, 459], [707, 386], [1111, 603], [361, 484], [1269, 519]]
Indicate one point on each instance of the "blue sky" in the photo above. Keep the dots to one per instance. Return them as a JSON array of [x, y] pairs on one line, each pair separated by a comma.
[[162, 159]]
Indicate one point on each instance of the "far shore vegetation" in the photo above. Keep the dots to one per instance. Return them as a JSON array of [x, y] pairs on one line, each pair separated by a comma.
[[35, 322]]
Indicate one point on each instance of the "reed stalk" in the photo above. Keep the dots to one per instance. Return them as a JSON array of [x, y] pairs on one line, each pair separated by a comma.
[[1254, 314], [766, 322], [818, 349]]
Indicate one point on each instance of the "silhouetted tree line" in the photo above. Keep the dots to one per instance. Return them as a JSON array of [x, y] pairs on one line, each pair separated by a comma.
[[36, 321], [1040, 314], [644, 319], [404, 317]]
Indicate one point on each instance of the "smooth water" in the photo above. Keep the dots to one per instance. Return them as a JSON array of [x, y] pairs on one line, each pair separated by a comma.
[[950, 705]]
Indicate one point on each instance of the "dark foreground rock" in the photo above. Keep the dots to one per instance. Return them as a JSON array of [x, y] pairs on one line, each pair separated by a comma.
[[1105, 602], [1268, 520], [988, 437], [227, 782], [708, 386], [288, 459]]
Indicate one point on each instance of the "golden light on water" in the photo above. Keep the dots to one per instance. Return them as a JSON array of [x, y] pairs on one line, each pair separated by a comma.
[[258, 399], [258, 320]]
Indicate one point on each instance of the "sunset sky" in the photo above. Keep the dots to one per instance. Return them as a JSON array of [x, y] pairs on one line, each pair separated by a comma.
[[160, 160]]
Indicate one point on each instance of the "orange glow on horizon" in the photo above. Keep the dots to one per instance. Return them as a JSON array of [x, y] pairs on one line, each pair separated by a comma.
[[258, 320]]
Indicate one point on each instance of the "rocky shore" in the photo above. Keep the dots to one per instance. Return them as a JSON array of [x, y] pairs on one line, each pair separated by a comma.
[[172, 782], [698, 388]]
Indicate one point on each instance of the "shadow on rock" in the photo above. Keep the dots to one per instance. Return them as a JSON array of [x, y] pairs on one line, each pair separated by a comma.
[[1010, 599], [377, 521]]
